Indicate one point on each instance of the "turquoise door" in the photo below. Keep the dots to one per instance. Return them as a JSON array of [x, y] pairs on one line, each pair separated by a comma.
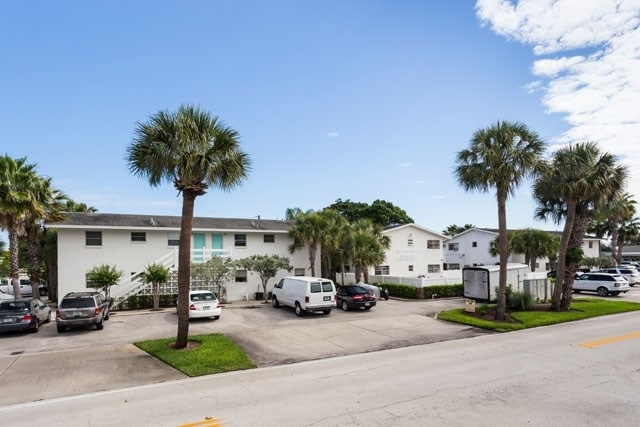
[[216, 244], [198, 246]]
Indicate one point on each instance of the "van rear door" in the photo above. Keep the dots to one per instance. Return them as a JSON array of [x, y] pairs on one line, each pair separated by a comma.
[[322, 294]]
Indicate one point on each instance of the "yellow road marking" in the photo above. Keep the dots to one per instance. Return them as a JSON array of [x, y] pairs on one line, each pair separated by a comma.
[[611, 340], [208, 422]]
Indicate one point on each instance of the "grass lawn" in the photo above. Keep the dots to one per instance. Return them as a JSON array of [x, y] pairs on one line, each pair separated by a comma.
[[580, 309], [206, 354]]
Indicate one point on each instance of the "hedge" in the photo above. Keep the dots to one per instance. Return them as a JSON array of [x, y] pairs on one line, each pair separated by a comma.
[[429, 292]]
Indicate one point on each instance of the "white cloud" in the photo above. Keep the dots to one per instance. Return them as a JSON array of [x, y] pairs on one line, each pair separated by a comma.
[[597, 90], [419, 182], [406, 164], [333, 134]]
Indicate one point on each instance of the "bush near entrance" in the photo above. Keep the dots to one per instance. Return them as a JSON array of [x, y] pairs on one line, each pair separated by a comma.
[[429, 292]]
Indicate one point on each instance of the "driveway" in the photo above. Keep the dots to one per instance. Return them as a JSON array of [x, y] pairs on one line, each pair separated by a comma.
[[47, 364]]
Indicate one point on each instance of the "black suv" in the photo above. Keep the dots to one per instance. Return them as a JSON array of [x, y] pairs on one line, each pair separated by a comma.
[[82, 309]]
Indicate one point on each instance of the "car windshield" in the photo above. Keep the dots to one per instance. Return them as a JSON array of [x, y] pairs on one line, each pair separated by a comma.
[[14, 306], [203, 297], [77, 303]]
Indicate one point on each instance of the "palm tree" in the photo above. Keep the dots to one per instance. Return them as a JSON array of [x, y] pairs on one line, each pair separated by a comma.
[[501, 157], [308, 229], [534, 244], [17, 181], [194, 151], [579, 179], [156, 274], [610, 218], [366, 246], [48, 206]]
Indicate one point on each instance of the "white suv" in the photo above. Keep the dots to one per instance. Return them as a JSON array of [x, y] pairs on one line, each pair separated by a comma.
[[631, 274], [602, 283]]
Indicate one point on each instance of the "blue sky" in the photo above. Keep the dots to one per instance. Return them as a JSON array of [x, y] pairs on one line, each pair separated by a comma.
[[357, 99]]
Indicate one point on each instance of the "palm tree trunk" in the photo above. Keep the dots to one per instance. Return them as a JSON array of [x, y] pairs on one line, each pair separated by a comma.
[[562, 255], [184, 267], [576, 239], [156, 296], [312, 258], [13, 259], [501, 309], [34, 259]]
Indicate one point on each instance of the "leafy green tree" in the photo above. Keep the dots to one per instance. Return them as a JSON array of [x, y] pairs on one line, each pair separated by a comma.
[[380, 212], [266, 266], [156, 274], [193, 151], [216, 271], [17, 181], [454, 229], [103, 277], [501, 157], [580, 178]]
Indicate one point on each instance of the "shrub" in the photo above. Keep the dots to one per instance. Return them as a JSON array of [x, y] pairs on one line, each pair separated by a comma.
[[411, 292], [519, 301]]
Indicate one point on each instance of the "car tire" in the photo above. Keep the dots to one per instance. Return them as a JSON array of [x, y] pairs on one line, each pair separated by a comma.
[[602, 291], [326, 311], [345, 306], [106, 316], [99, 326], [299, 311], [35, 327], [275, 303], [61, 329], [216, 317]]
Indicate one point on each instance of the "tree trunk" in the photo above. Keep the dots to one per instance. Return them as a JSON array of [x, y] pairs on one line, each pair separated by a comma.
[[312, 258], [562, 256], [184, 267], [575, 241], [13, 259], [34, 259], [156, 296], [501, 309]]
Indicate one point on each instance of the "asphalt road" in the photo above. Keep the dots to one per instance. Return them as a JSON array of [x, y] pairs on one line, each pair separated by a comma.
[[48, 364], [582, 373]]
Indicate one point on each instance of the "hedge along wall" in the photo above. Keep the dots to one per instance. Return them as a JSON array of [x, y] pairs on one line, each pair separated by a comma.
[[429, 292], [140, 302]]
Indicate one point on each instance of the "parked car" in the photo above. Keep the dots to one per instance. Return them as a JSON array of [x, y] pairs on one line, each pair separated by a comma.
[[304, 294], [204, 304], [552, 274], [354, 296], [631, 274], [82, 309], [23, 314], [602, 283]]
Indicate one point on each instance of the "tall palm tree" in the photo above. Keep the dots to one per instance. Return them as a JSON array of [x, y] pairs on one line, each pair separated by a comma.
[[335, 226], [17, 181], [611, 217], [579, 179], [48, 204], [366, 246], [194, 151], [501, 157], [308, 229]]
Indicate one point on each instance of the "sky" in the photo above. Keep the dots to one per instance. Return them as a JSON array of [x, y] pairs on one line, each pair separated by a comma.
[[335, 99]]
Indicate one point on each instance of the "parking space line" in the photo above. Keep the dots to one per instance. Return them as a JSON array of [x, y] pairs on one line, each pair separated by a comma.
[[207, 422], [610, 340]]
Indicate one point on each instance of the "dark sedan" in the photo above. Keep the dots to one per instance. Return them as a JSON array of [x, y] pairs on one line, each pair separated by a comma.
[[23, 314], [354, 296]]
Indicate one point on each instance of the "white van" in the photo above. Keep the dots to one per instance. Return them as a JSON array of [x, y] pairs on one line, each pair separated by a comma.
[[305, 294]]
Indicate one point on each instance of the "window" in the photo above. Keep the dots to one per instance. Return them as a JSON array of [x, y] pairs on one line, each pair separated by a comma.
[[411, 268], [454, 267], [454, 246], [433, 268], [240, 240], [138, 236], [269, 238], [433, 244], [299, 272], [173, 239], [590, 245], [93, 238], [241, 276], [382, 270], [474, 244]]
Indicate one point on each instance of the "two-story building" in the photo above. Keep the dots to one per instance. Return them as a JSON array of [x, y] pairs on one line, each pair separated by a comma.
[[471, 248], [131, 242]]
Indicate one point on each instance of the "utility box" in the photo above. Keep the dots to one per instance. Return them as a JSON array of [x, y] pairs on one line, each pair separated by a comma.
[[480, 283]]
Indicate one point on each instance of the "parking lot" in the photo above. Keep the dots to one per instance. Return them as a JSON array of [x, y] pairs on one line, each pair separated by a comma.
[[48, 364]]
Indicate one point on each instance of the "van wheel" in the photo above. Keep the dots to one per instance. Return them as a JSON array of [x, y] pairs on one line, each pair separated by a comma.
[[275, 303], [615, 293], [99, 325], [216, 317], [326, 311], [602, 291], [345, 306], [299, 311]]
